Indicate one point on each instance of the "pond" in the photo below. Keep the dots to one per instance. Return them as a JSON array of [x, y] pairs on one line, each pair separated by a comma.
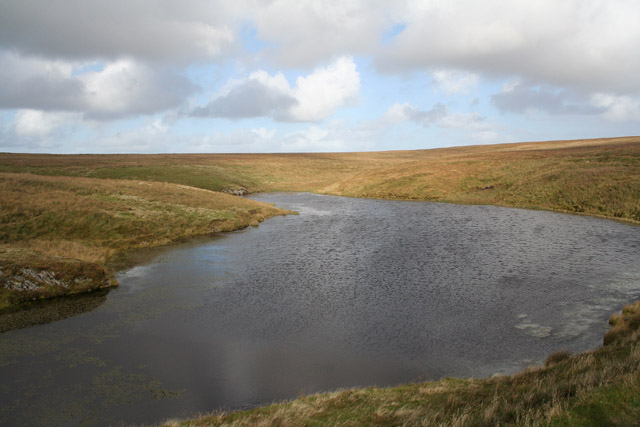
[[350, 292]]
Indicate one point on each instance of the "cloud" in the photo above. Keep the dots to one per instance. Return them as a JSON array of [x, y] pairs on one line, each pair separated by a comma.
[[617, 108], [518, 97], [337, 136], [439, 116], [71, 70], [155, 136], [157, 31], [39, 124], [325, 90], [121, 88], [398, 113], [260, 95], [590, 46], [587, 45], [315, 96], [29, 82], [126, 87], [319, 30], [37, 131], [454, 82]]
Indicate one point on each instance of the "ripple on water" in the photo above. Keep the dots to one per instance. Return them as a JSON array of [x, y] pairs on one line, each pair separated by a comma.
[[349, 293]]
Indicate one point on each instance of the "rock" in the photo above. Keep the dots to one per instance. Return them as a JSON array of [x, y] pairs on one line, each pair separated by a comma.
[[19, 283], [236, 191], [30, 280]]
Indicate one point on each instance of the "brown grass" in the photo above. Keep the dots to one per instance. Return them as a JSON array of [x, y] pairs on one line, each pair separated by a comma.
[[599, 177]]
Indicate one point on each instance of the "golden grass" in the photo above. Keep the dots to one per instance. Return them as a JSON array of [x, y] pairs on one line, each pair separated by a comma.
[[599, 177], [74, 215]]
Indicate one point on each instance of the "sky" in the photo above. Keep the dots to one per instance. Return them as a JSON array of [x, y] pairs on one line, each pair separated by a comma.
[[158, 76]]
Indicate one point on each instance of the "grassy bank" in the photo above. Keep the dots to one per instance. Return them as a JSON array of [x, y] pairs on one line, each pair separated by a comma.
[[60, 235], [596, 388]]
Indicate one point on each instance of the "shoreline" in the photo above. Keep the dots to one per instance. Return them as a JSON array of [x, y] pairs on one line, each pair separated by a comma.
[[328, 407], [599, 385], [57, 283], [39, 270]]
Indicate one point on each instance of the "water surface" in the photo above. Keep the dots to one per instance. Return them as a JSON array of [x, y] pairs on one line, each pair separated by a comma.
[[350, 292]]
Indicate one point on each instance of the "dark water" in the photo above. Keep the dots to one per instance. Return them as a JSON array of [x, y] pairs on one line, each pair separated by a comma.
[[348, 293]]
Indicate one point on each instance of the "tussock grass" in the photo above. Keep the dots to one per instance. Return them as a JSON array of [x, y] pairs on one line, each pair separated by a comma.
[[601, 387], [557, 357]]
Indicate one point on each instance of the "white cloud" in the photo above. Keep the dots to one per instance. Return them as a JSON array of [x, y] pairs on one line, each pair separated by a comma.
[[311, 139], [315, 96], [319, 30], [152, 135], [454, 82], [617, 108], [401, 112], [122, 88], [472, 123], [588, 45], [264, 133], [475, 125], [337, 136], [126, 87], [326, 89], [39, 124]]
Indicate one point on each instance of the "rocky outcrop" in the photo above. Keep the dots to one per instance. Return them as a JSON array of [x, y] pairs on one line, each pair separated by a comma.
[[238, 191], [28, 282]]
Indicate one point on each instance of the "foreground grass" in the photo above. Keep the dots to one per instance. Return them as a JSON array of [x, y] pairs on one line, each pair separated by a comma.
[[597, 388], [75, 228]]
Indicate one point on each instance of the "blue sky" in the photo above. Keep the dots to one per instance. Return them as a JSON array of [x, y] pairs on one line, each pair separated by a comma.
[[293, 76]]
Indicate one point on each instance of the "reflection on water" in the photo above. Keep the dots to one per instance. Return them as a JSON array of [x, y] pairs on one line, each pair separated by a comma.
[[348, 293], [49, 310]]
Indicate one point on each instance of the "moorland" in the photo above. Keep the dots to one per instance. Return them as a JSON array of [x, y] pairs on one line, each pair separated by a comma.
[[67, 222]]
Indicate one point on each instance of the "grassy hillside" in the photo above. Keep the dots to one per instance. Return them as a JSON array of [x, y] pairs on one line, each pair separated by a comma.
[[591, 389], [58, 235], [598, 177]]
